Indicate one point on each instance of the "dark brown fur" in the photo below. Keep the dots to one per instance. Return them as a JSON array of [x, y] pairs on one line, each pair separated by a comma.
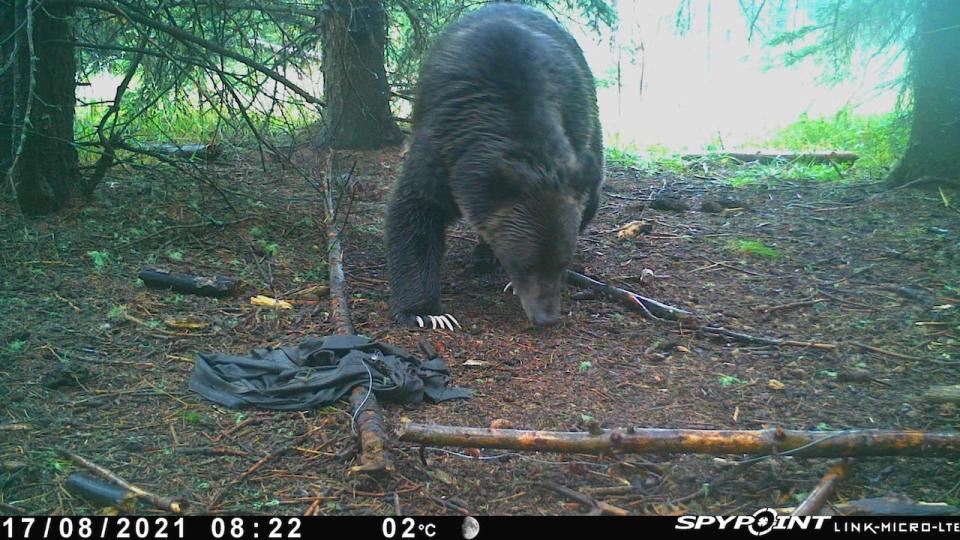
[[506, 135]]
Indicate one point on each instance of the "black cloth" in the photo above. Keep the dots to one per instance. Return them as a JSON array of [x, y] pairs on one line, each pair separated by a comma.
[[319, 372]]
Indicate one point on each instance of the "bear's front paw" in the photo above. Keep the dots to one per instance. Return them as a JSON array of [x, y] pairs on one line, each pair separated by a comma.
[[433, 322]]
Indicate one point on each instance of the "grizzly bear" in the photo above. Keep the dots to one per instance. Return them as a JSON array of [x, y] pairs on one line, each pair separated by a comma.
[[506, 134]]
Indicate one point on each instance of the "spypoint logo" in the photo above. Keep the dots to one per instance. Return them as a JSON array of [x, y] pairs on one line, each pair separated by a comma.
[[760, 523], [763, 521]]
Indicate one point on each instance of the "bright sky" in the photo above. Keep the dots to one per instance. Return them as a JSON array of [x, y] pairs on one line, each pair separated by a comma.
[[702, 84]]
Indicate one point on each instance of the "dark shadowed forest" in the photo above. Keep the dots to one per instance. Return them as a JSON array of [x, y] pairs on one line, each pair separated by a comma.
[[583, 257]]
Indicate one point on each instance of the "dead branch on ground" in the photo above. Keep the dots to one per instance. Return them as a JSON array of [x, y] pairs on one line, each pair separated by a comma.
[[943, 394], [596, 507], [747, 338], [658, 310], [819, 495], [215, 286], [100, 492], [13, 509], [771, 156], [631, 299], [204, 151], [850, 443], [164, 503], [366, 415], [887, 506]]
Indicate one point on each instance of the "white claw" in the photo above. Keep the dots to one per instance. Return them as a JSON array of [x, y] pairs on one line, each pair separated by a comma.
[[509, 286], [455, 321], [420, 321], [444, 323], [433, 321]]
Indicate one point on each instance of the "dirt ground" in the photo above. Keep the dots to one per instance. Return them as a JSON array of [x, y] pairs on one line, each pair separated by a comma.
[[89, 364]]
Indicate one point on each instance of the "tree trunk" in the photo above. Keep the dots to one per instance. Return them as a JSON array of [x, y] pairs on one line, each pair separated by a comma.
[[41, 164], [6, 88], [354, 77], [934, 144]]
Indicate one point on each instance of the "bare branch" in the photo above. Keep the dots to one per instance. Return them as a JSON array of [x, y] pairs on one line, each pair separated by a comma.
[[187, 37]]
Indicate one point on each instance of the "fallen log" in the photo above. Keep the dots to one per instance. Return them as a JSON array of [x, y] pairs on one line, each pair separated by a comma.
[[851, 443], [629, 298], [215, 286], [366, 416], [819, 495], [943, 394], [772, 156], [374, 452], [100, 492], [164, 503], [207, 152]]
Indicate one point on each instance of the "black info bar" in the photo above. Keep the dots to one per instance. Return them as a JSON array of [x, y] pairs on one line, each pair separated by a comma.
[[762, 523]]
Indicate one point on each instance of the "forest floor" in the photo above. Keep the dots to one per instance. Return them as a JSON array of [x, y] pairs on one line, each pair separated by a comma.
[[89, 364]]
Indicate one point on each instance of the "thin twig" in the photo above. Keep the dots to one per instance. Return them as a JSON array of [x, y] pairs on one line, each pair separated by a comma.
[[596, 507]]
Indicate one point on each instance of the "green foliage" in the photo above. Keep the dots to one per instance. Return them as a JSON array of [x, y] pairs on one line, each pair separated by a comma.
[[259, 505], [270, 248], [584, 366], [755, 173], [841, 33], [16, 345], [621, 158], [879, 140], [117, 313], [753, 247], [100, 260], [729, 380], [656, 157], [184, 92]]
